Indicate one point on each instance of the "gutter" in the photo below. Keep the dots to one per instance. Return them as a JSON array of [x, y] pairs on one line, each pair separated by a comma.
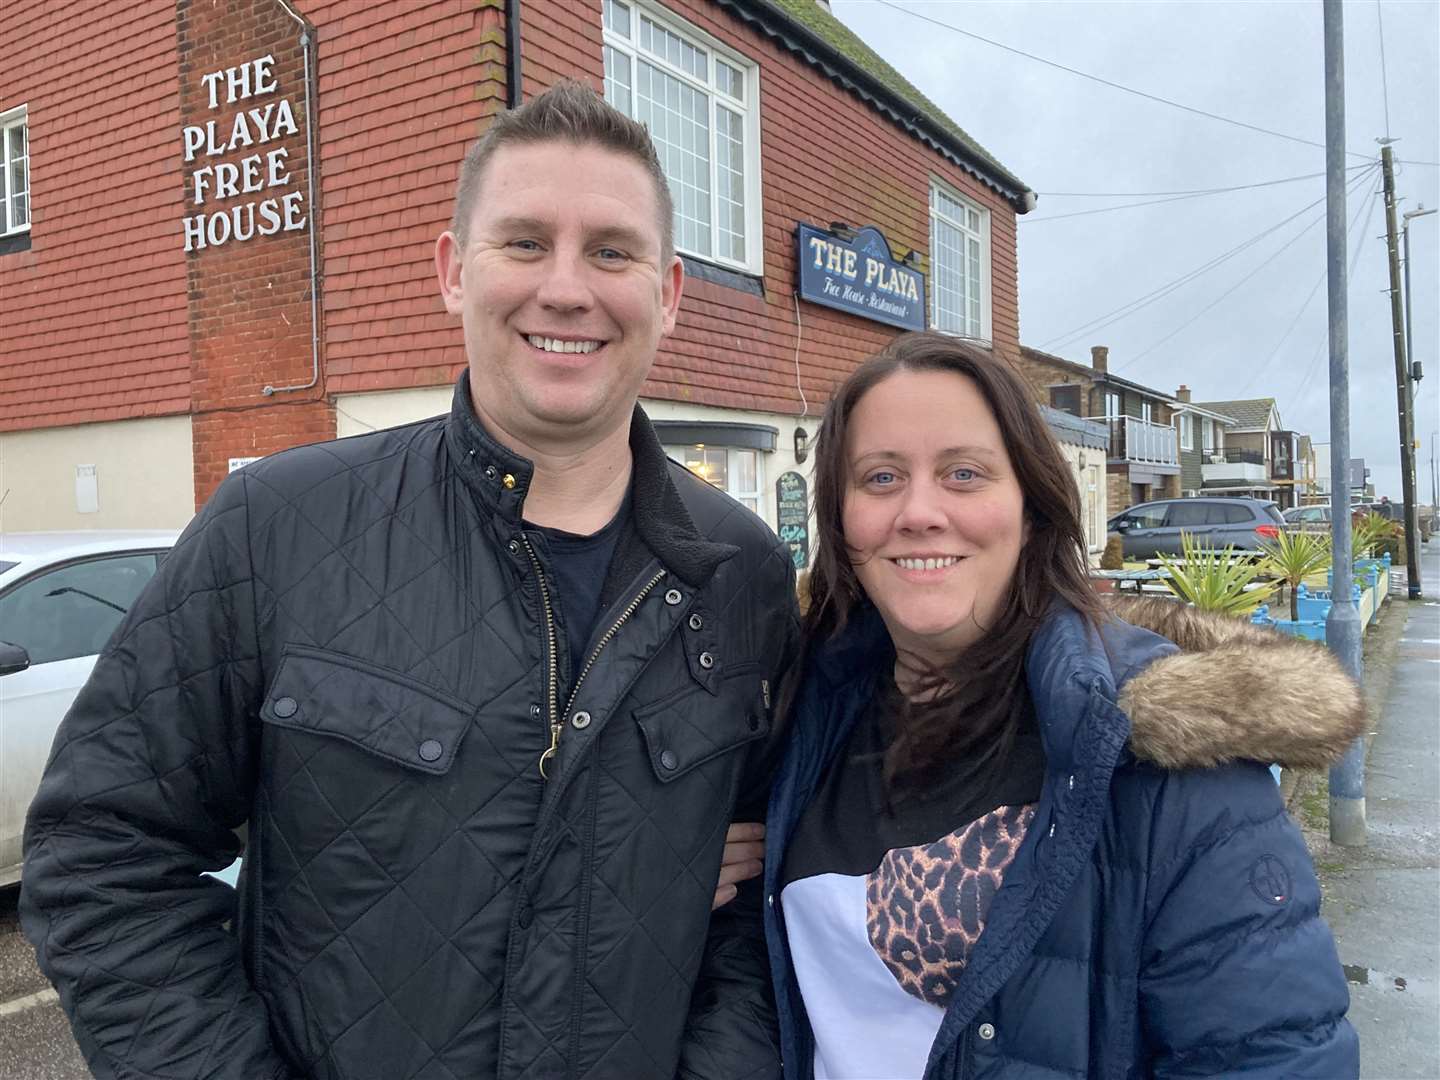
[[310, 166], [820, 53], [514, 81]]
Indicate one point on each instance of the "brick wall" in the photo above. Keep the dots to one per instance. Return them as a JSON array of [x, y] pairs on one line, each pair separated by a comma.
[[95, 310], [242, 76]]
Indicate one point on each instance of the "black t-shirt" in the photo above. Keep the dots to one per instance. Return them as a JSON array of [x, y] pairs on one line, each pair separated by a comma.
[[575, 568], [854, 819]]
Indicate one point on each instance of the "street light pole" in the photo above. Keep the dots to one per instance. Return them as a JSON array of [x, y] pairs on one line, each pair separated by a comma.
[[1342, 624]]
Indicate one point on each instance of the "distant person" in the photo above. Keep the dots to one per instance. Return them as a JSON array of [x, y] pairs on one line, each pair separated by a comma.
[[487, 689], [1012, 835]]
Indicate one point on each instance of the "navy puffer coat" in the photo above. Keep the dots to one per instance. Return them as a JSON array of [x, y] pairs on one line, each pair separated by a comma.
[[1155, 922]]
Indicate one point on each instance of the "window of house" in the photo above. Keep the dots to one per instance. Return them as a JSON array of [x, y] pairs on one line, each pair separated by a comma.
[[14, 172], [1112, 405], [699, 101], [733, 470], [1207, 433], [959, 264], [1147, 412], [1187, 431]]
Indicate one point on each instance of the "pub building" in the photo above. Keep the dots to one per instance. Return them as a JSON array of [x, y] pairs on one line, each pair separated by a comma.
[[217, 224]]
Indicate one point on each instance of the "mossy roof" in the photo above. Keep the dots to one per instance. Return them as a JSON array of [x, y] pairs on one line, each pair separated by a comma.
[[811, 17]]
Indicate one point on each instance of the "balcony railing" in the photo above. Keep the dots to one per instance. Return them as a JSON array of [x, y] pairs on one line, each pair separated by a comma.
[[1133, 439], [1234, 456]]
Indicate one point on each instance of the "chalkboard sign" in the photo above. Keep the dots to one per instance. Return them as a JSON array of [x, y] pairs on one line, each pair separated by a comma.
[[792, 516]]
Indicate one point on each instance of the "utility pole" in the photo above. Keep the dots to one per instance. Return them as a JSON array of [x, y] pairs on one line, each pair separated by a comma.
[[1402, 381], [1342, 625]]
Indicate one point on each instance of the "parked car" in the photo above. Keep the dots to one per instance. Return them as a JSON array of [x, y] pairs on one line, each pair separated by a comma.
[[1154, 528], [61, 597], [1315, 518]]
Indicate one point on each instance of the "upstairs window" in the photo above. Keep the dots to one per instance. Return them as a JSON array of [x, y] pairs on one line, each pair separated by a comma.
[[1187, 431], [14, 172], [1207, 429], [700, 102], [959, 264]]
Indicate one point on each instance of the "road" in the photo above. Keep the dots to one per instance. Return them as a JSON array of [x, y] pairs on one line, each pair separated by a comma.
[[35, 1040]]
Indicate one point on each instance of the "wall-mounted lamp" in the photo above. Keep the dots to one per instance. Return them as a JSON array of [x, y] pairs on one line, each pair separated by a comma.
[[842, 230], [912, 258], [1082, 459], [802, 445]]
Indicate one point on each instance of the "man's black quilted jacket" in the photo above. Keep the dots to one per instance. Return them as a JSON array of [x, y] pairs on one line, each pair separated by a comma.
[[348, 648]]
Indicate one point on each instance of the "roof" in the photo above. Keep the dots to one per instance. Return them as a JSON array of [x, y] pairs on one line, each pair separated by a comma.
[[29, 550], [1248, 413], [819, 36], [1074, 430], [1200, 410], [1095, 376]]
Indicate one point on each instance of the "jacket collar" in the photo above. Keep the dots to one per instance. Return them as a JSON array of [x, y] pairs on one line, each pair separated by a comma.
[[500, 480]]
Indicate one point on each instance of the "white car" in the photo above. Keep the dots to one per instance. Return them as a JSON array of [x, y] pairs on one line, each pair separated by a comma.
[[62, 594]]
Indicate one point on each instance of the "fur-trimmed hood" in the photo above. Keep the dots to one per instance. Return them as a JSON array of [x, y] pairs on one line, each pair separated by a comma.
[[1235, 691]]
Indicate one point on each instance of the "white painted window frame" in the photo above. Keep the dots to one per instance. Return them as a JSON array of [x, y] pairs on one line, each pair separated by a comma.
[[986, 292], [754, 261], [1187, 430], [677, 452], [17, 117]]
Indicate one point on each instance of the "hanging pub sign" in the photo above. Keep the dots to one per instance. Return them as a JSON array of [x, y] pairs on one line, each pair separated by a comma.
[[792, 516], [859, 275]]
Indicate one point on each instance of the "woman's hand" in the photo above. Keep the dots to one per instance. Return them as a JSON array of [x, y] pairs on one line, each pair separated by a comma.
[[743, 859]]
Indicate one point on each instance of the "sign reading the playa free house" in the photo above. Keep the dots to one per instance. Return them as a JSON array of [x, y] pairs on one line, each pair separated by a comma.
[[861, 277]]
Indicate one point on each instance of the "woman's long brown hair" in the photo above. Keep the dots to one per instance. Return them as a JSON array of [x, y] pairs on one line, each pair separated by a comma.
[[979, 701]]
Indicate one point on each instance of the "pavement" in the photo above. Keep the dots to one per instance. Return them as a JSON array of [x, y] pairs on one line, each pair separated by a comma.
[[1383, 900]]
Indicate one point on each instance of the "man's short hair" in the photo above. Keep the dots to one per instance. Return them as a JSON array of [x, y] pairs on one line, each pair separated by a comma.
[[569, 112]]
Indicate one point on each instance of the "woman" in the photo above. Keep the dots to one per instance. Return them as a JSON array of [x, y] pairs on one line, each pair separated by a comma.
[[992, 849]]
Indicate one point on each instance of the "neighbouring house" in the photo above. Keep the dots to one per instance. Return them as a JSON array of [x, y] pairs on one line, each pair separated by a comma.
[[1201, 434], [1142, 457], [1259, 456], [1084, 444], [217, 226]]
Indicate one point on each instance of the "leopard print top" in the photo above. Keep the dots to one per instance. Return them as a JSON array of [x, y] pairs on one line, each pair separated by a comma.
[[926, 905]]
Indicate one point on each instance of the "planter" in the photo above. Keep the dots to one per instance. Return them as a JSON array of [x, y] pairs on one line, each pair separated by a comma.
[[1309, 629]]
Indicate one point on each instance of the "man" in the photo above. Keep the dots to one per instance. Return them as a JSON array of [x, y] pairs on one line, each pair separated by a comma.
[[486, 688]]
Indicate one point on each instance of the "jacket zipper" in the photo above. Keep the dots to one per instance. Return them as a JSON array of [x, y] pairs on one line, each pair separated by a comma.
[[553, 690]]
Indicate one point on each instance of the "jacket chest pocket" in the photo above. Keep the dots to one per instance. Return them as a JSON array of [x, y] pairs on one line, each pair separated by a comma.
[[697, 726], [383, 712]]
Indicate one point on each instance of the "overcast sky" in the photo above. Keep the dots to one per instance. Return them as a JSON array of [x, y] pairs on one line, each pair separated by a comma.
[[1253, 61]]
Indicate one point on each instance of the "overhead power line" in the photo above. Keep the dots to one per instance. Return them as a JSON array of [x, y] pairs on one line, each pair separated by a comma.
[[1187, 191], [1113, 85], [1177, 196], [1384, 81], [1139, 302], [1350, 276], [1362, 211], [1132, 361]]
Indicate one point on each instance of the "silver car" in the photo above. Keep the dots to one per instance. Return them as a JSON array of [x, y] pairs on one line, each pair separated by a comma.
[[1156, 528], [61, 597]]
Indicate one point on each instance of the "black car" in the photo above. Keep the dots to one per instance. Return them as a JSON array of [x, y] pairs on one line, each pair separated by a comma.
[[1155, 527]]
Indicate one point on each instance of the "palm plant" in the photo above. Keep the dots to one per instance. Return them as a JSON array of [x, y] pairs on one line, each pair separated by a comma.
[[1369, 532], [1294, 556], [1214, 580]]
